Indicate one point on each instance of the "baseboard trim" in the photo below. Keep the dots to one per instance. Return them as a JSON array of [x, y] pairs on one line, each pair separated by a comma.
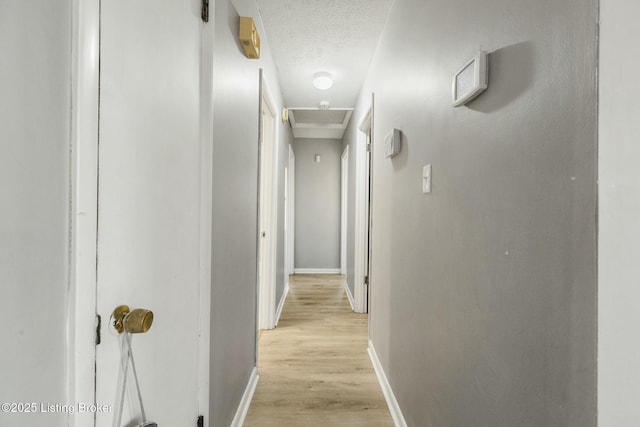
[[392, 403], [243, 408], [316, 271], [285, 292], [349, 296]]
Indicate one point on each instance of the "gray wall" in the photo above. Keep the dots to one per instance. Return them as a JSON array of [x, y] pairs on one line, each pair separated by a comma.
[[235, 166], [619, 217], [484, 291], [34, 200], [317, 227]]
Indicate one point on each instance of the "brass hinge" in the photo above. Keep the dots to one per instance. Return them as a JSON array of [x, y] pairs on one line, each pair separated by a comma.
[[205, 10]]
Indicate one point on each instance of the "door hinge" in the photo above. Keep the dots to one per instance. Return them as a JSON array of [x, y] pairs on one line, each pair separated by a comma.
[[98, 327], [368, 147], [366, 280], [205, 10], [200, 421]]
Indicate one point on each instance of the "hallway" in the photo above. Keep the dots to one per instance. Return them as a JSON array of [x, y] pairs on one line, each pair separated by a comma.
[[314, 369], [497, 239]]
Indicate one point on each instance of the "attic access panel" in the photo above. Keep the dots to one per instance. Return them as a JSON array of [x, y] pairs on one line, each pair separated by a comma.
[[319, 123]]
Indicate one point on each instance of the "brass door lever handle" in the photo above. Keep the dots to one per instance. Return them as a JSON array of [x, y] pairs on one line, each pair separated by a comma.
[[135, 321]]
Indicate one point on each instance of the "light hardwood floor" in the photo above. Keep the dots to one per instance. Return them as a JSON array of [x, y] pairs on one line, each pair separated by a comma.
[[314, 368]]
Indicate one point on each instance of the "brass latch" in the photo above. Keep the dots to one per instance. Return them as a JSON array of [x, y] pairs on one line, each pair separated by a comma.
[[133, 321]]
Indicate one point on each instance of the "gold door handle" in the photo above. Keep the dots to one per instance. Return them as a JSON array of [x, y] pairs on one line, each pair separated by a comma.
[[135, 321]]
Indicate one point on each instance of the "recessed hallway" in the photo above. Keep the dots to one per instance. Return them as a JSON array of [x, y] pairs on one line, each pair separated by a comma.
[[314, 369]]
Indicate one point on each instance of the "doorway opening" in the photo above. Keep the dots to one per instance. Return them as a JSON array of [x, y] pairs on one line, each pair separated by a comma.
[[267, 209], [362, 255], [344, 215]]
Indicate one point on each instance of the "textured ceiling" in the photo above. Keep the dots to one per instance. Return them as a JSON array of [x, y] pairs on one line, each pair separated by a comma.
[[307, 36]]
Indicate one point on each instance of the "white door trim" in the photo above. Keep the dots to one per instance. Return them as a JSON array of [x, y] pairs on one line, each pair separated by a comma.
[[287, 230], [344, 192], [292, 210], [361, 213], [268, 211], [81, 314], [206, 210]]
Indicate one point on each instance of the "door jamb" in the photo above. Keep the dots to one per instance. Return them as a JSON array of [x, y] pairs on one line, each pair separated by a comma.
[[81, 318], [361, 212], [292, 211], [267, 291], [207, 35]]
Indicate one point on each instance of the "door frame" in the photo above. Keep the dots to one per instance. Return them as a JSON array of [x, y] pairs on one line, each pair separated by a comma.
[[361, 226], [81, 311], [344, 198], [207, 41], [82, 321], [291, 184], [267, 208]]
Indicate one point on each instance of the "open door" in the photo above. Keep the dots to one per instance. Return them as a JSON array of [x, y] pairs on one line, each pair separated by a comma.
[[369, 208], [363, 222], [267, 209], [152, 207]]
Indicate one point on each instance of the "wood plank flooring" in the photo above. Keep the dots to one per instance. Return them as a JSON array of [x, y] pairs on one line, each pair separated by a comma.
[[314, 368]]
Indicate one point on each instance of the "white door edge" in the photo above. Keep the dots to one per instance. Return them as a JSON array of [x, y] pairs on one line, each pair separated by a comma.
[[361, 210], [206, 212], [81, 314], [267, 284]]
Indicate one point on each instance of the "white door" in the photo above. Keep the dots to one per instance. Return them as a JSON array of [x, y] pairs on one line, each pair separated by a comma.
[[267, 212], [362, 225], [149, 201]]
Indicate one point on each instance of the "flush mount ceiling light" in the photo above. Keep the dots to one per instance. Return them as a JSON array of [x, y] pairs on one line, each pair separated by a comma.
[[322, 80]]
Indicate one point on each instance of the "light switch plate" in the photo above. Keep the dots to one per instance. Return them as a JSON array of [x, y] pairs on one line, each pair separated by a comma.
[[426, 179]]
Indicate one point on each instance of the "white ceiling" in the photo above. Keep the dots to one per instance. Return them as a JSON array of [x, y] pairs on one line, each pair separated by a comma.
[[315, 123], [308, 36]]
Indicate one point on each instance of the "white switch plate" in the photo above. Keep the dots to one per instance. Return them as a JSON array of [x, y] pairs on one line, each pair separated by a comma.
[[426, 179]]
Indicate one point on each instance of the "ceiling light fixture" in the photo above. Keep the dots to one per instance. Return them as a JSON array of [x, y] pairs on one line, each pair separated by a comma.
[[322, 80]]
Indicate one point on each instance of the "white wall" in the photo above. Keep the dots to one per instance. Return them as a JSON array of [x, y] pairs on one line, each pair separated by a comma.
[[35, 41], [317, 200], [619, 216]]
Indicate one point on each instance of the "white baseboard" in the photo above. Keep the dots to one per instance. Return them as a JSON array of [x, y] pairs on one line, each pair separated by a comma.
[[392, 403], [243, 408], [316, 271], [285, 292], [349, 296]]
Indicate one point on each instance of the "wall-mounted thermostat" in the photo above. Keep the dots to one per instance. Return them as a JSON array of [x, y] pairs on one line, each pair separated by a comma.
[[471, 80], [392, 143]]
